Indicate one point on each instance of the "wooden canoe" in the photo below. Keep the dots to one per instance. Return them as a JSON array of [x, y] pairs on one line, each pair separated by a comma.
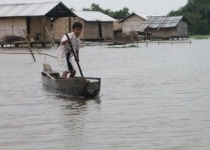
[[76, 87]]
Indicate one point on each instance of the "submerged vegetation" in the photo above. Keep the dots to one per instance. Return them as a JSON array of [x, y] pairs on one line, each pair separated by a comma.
[[200, 36], [12, 38]]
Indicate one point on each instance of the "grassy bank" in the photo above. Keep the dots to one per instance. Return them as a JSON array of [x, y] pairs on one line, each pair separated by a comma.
[[200, 36]]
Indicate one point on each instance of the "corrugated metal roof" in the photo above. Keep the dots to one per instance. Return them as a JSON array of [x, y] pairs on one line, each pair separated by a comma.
[[144, 16], [162, 21], [31, 9], [94, 16]]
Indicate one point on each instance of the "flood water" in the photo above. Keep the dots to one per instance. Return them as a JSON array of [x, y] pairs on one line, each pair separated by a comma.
[[152, 98]]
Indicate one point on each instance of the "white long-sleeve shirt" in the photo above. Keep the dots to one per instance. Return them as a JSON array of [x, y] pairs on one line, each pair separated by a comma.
[[64, 49]]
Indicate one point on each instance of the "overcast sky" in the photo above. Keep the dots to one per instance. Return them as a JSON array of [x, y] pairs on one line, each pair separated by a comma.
[[162, 7]]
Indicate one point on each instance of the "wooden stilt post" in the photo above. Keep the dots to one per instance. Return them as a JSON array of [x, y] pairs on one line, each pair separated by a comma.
[[50, 36], [26, 36]]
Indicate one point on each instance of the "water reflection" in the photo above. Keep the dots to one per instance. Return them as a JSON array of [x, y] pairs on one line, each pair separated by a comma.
[[77, 102], [75, 115]]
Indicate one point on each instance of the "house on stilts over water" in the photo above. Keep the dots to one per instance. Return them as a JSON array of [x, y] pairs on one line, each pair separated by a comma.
[[166, 27], [96, 25], [35, 19]]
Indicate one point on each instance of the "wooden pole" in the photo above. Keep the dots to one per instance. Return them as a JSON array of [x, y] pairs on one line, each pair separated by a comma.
[[43, 32], [27, 40], [28, 53], [71, 47], [50, 36], [51, 77]]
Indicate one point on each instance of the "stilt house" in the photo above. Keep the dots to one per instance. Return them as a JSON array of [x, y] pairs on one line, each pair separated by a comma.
[[34, 18], [133, 22], [166, 27], [96, 25]]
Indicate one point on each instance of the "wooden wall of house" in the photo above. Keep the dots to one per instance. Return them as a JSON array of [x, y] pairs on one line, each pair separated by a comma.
[[60, 27], [12, 26], [108, 30], [181, 30], [134, 22], [38, 26], [162, 32], [117, 26], [90, 29]]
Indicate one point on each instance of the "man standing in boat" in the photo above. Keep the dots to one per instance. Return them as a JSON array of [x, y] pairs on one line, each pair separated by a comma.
[[64, 51]]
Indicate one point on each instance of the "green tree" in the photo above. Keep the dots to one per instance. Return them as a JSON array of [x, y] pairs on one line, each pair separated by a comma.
[[198, 14]]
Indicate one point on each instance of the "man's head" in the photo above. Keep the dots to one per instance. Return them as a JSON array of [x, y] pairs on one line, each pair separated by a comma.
[[77, 28]]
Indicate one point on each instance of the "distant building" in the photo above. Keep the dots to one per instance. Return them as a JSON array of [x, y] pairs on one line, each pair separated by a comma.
[[34, 18], [134, 22], [117, 28], [96, 25], [167, 26]]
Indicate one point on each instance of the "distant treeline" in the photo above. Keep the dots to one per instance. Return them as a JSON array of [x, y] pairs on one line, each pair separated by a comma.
[[198, 14]]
